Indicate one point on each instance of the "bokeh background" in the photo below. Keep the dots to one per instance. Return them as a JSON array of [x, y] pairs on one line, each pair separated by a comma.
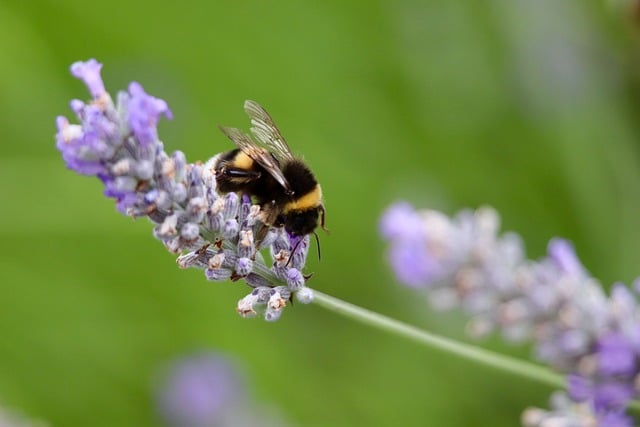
[[529, 106]]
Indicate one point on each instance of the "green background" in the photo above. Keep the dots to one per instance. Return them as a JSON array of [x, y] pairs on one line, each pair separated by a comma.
[[529, 106]]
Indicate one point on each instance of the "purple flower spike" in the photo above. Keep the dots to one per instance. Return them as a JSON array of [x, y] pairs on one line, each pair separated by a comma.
[[144, 113], [89, 73], [200, 391], [118, 143], [463, 261]]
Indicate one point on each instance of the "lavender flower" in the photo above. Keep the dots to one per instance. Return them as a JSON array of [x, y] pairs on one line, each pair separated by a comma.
[[207, 390], [554, 302], [119, 144], [199, 391]]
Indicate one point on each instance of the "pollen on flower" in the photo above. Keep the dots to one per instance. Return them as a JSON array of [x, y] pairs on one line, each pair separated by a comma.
[[276, 302], [168, 168], [187, 260], [245, 306], [122, 167], [69, 132], [254, 215], [168, 226], [216, 261], [217, 206], [281, 257]]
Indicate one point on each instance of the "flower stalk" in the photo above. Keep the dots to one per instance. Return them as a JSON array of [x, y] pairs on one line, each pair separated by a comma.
[[468, 352]]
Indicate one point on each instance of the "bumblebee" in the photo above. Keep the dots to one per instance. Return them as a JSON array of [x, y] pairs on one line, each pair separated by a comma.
[[264, 167]]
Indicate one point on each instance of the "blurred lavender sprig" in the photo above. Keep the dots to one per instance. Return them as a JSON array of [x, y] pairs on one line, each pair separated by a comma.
[[207, 389], [12, 418], [577, 329], [119, 144]]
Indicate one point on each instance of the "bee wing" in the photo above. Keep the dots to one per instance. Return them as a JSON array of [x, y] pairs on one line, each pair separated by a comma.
[[257, 153], [266, 131]]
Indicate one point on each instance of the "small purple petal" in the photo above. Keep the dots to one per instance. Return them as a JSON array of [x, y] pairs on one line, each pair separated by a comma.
[[564, 256], [243, 266], [144, 112], [579, 388], [399, 220], [573, 342], [151, 196], [89, 73], [179, 165], [190, 231], [615, 355], [295, 279], [231, 204], [612, 395], [77, 149], [413, 264], [615, 419], [128, 201], [119, 186], [77, 107]]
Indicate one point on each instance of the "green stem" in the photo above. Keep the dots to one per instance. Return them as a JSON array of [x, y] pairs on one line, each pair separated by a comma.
[[475, 354]]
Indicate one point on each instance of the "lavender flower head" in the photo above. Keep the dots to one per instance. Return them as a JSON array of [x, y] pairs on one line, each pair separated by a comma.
[[119, 144], [576, 328], [200, 391], [207, 389]]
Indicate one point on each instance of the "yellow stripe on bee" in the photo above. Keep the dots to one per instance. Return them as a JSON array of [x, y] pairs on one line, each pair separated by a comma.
[[242, 161], [310, 200]]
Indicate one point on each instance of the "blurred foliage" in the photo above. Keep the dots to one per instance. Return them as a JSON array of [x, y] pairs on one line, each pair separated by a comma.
[[528, 106]]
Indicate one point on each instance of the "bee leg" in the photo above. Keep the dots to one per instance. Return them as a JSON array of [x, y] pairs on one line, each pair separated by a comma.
[[322, 214], [239, 173], [230, 179]]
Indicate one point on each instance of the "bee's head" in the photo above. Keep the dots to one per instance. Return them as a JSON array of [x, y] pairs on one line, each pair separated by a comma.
[[301, 223]]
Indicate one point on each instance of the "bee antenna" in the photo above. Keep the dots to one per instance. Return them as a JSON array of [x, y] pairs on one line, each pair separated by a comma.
[[293, 252], [317, 244]]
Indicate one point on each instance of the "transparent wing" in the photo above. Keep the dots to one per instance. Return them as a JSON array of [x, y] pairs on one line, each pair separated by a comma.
[[266, 131], [257, 153]]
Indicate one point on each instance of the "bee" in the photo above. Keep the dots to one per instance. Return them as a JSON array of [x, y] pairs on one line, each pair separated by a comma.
[[264, 167]]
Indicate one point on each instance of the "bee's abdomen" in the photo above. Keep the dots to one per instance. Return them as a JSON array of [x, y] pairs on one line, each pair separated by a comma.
[[300, 178], [307, 193]]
